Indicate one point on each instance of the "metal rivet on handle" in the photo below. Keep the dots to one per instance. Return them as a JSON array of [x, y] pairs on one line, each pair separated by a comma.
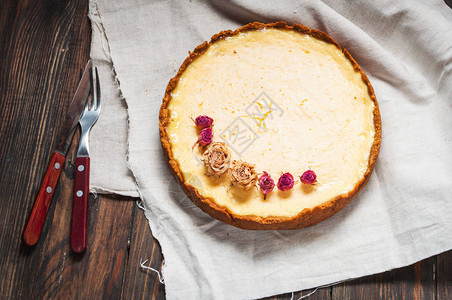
[[57, 166], [49, 189], [81, 168], [79, 193]]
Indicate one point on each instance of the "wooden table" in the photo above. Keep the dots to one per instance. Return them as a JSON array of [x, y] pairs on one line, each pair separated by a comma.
[[43, 46]]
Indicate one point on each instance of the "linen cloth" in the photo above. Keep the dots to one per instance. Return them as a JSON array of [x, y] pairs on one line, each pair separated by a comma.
[[404, 213], [109, 173]]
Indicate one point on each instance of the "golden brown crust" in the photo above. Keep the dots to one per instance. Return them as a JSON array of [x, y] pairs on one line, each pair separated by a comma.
[[307, 217]]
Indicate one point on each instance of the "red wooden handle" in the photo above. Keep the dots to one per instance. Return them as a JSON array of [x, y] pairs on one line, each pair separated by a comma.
[[80, 205], [42, 202]]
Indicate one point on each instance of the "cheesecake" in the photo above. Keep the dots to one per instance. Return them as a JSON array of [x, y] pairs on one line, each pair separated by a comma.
[[270, 126]]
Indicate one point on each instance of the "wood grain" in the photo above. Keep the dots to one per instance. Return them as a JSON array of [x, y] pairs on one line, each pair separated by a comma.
[[312, 294], [412, 282], [444, 276], [43, 47], [142, 247]]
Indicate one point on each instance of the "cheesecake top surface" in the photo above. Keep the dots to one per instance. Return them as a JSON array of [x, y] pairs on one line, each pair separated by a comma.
[[283, 101]]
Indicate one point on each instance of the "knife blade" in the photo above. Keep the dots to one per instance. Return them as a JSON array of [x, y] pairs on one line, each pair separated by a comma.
[[41, 205]]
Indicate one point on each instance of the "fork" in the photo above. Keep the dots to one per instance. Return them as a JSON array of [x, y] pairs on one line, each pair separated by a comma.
[[82, 163]]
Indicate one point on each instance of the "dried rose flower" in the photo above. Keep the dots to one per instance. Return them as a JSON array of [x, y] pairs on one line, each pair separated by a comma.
[[216, 159], [266, 183], [308, 177], [285, 182], [204, 121], [243, 174], [205, 136]]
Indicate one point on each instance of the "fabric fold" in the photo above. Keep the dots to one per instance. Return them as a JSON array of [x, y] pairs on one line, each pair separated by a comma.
[[108, 140]]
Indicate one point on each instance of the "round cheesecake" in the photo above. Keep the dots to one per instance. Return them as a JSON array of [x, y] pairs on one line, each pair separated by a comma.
[[281, 100]]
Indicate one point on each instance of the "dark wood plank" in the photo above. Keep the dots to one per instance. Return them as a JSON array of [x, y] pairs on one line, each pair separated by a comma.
[[312, 294], [444, 276], [38, 63], [141, 283], [43, 47], [98, 273], [40, 66], [413, 282]]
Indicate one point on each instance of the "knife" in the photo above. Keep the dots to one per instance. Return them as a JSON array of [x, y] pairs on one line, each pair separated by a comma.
[[42, 202]]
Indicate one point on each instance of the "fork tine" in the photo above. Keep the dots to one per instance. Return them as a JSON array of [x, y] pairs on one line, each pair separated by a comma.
[[98, 106], [91, 88], [85, 107]]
